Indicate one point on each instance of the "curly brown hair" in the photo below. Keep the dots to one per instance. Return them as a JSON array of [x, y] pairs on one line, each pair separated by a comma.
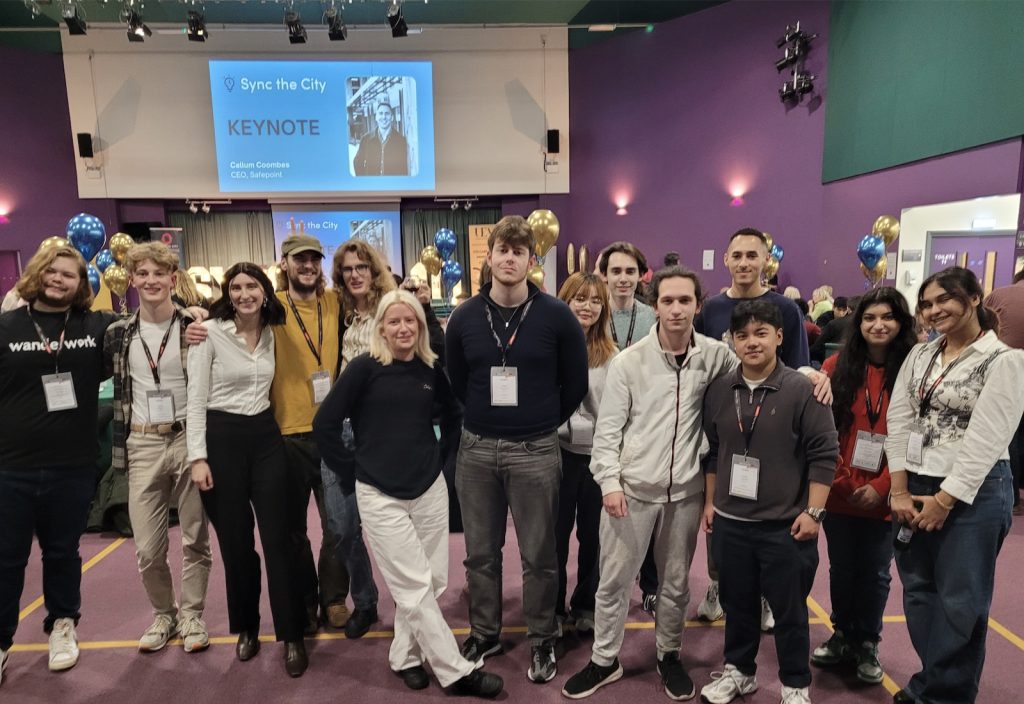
[[31, 282], [382, 280]]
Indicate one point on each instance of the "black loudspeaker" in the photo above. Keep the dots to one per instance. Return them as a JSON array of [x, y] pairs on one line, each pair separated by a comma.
[[552, 141], [85, 145]]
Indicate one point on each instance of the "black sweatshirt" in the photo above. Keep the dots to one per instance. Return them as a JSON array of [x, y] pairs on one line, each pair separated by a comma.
[[392, 409], [30, 436], [549, 354]]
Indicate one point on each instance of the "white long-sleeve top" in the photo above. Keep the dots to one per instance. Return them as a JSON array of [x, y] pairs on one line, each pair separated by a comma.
[[223, 375], [972, 416]]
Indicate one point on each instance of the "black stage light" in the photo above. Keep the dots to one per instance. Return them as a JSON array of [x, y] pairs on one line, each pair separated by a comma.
[[296, 32], [788, 59], [336, 29], [196, 27], [137, 29], [397, 20], [787, 92], [73, 18]]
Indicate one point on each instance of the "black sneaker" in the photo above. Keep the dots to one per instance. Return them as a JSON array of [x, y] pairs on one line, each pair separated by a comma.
[[542, 664], [649, 602], [415, 677], [678, 685], [479, 684], [476, 649], [359, 623], [590, 679]]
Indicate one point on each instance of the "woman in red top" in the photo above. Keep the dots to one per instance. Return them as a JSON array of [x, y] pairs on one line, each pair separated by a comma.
[[857, 525]]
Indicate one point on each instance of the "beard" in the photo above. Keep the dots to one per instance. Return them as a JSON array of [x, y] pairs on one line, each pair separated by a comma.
[[294, 284], [61, 302]]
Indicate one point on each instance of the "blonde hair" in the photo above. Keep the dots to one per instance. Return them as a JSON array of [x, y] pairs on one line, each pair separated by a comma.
[[185, 289], [31, 282], [822, 293], [792, 293], [381, 283], [379, 349], [156, 252]]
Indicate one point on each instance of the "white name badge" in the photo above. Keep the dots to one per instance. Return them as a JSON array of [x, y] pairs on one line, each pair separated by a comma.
[[504, 386], [867, 451], [160, 405], [321, 382], [746, 472], [915, 445], [60, 392]]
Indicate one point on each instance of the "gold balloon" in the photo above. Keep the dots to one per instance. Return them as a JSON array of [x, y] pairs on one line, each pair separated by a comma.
[[887, 227], [116, 279], [119, 246], [545, 230], [769, 241], [536, 275], [55, 241], [878, 273], [771, 268], [431, 260], [570, 258]]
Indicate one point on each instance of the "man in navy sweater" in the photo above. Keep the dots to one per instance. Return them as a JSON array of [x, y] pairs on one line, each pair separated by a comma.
[[517, 359]]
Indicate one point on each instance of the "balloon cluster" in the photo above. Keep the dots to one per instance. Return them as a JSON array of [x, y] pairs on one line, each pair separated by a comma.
[[545, 233], [439, 258], [871, 250], [775, 255], [86, 234]]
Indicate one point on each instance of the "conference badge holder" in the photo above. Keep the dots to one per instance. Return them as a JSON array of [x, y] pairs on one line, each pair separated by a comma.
[[743, 481], [160, 404], [60, 392], [321, 383], [504, 386], [868, 451], [915, 445]]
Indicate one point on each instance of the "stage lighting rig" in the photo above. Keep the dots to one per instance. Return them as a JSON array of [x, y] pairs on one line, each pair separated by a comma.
[[396, 19], [73, 17], [797, 45], [137, 29], [336, 29], [292, 19], [196, 27]]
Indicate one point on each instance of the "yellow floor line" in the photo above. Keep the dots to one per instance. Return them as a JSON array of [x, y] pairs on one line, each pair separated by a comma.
[[85, 568], [1006, 633], [824, 619]]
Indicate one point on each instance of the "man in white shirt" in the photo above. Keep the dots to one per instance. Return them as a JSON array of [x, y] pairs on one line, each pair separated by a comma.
[[149, 358]]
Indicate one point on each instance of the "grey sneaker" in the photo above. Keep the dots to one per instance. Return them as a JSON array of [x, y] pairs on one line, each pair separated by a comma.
[[476, 649], [157, 635], [727, 685], [796, 695], [63, 645], [4, 654], [543, 667], [193, 633], [868, 668], [831, 652], [711, 608]]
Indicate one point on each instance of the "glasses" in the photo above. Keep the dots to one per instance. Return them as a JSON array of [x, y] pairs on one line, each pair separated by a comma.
[[584, 300], [361, 269]]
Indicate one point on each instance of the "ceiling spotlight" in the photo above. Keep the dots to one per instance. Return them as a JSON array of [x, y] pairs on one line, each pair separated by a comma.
[[788, 59], [468, 205], [73, 17], [455, 205], [397, 20], [193, 208], [206, 208], [296, 32], [196, 27], [336, 29], [137, 29], [33, 7], [804, 83]]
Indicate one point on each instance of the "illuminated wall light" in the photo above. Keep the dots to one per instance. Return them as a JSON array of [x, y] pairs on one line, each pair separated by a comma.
[[5, 211], [736, 201], [622, 210]]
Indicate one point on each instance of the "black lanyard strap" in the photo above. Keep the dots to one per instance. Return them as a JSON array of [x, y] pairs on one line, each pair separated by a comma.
[[925, 397], [46, 341], [748, 433], [632, 324], [318, 350], [874, 412], [154, 366], [506, 348]]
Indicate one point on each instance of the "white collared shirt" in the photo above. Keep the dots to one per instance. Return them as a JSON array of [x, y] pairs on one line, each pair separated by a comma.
[[972, 416], [223, 375]]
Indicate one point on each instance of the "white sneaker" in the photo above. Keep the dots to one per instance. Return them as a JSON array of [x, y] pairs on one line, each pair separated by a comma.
[[711, 608], [767, 617], [3, 663], [157, 635], [727, 685], [63, 645], [796, 695], [193, 633]]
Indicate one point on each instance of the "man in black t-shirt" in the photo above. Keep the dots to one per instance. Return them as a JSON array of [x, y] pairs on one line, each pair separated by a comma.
[[51, 366]]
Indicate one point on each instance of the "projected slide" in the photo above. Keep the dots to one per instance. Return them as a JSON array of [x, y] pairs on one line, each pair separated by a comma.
[[311, 126], [333, 226]]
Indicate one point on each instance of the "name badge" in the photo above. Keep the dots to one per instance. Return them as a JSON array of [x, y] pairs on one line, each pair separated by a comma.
[[321, 382], [915, 445], [59, 390], [746, 472], [504, 386], [161, 406], [867, 451]]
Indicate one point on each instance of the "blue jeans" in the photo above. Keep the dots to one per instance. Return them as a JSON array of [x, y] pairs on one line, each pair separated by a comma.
[[859, 556], [343, 521], [52, 503], [948, 578]]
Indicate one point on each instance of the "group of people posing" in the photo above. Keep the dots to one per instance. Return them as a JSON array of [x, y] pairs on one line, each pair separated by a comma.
[[638, 425]]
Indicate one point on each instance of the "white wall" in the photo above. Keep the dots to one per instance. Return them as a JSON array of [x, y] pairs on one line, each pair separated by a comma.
[[496, 92], [917, 222]]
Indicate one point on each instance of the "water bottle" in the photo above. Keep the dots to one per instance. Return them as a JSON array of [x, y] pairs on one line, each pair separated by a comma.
[[903, 536]]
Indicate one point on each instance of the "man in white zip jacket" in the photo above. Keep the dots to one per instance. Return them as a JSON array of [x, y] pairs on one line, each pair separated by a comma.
[[646, 459]]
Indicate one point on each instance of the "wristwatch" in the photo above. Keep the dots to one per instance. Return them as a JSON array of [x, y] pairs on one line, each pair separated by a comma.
[[818, 514]]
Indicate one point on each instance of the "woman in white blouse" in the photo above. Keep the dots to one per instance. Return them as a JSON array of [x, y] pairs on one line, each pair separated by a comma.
[[954, 409], [238, 459]]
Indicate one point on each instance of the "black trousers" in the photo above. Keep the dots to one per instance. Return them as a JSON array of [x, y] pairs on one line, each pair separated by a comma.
[[580, 505], [763, 558], [250, 473]]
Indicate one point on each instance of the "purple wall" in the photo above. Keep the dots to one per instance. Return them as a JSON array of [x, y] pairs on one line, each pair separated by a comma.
[[944, 251]]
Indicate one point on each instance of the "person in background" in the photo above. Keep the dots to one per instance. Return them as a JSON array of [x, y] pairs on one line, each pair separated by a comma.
[[813, 331], [579, 496], [953, 413], [857, 527], [186, 294], [821, 303], [835, 331], [793, 293]]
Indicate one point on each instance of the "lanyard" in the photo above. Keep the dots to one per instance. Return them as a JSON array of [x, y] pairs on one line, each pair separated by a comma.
[[154, 367], [46, 341], [632, 324], [748, 434], [305, 333], [505, 349], [874, 413], [926, 397]]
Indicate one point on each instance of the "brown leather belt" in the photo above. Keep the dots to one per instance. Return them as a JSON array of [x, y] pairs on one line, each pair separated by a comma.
[[158, 428]]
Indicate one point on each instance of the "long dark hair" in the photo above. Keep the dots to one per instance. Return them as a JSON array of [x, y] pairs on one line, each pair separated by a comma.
[[271, 313], [851, 366], [962, 284]]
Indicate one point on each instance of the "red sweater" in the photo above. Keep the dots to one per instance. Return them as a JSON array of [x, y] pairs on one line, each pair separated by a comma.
[[849, 478]]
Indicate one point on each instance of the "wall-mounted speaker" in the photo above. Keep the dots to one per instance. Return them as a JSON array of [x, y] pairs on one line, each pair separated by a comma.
[[85, 145], [552, 142]]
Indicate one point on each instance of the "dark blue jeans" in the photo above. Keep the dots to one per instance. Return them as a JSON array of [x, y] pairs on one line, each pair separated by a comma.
[[53, 504], [579, 505], [859, 556], [948, 578]]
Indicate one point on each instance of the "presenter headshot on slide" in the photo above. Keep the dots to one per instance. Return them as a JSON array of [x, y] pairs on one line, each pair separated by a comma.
[[383, 151]]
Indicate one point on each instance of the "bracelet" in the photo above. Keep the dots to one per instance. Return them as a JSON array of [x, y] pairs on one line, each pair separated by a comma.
[[944, 506], [899, 493]]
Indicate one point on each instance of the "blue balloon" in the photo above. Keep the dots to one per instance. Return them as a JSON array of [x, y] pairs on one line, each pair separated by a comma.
[[445, 241], [86, 234], [104, 259], [94, 279], [778, 252], [870, 251], [451, 273]]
